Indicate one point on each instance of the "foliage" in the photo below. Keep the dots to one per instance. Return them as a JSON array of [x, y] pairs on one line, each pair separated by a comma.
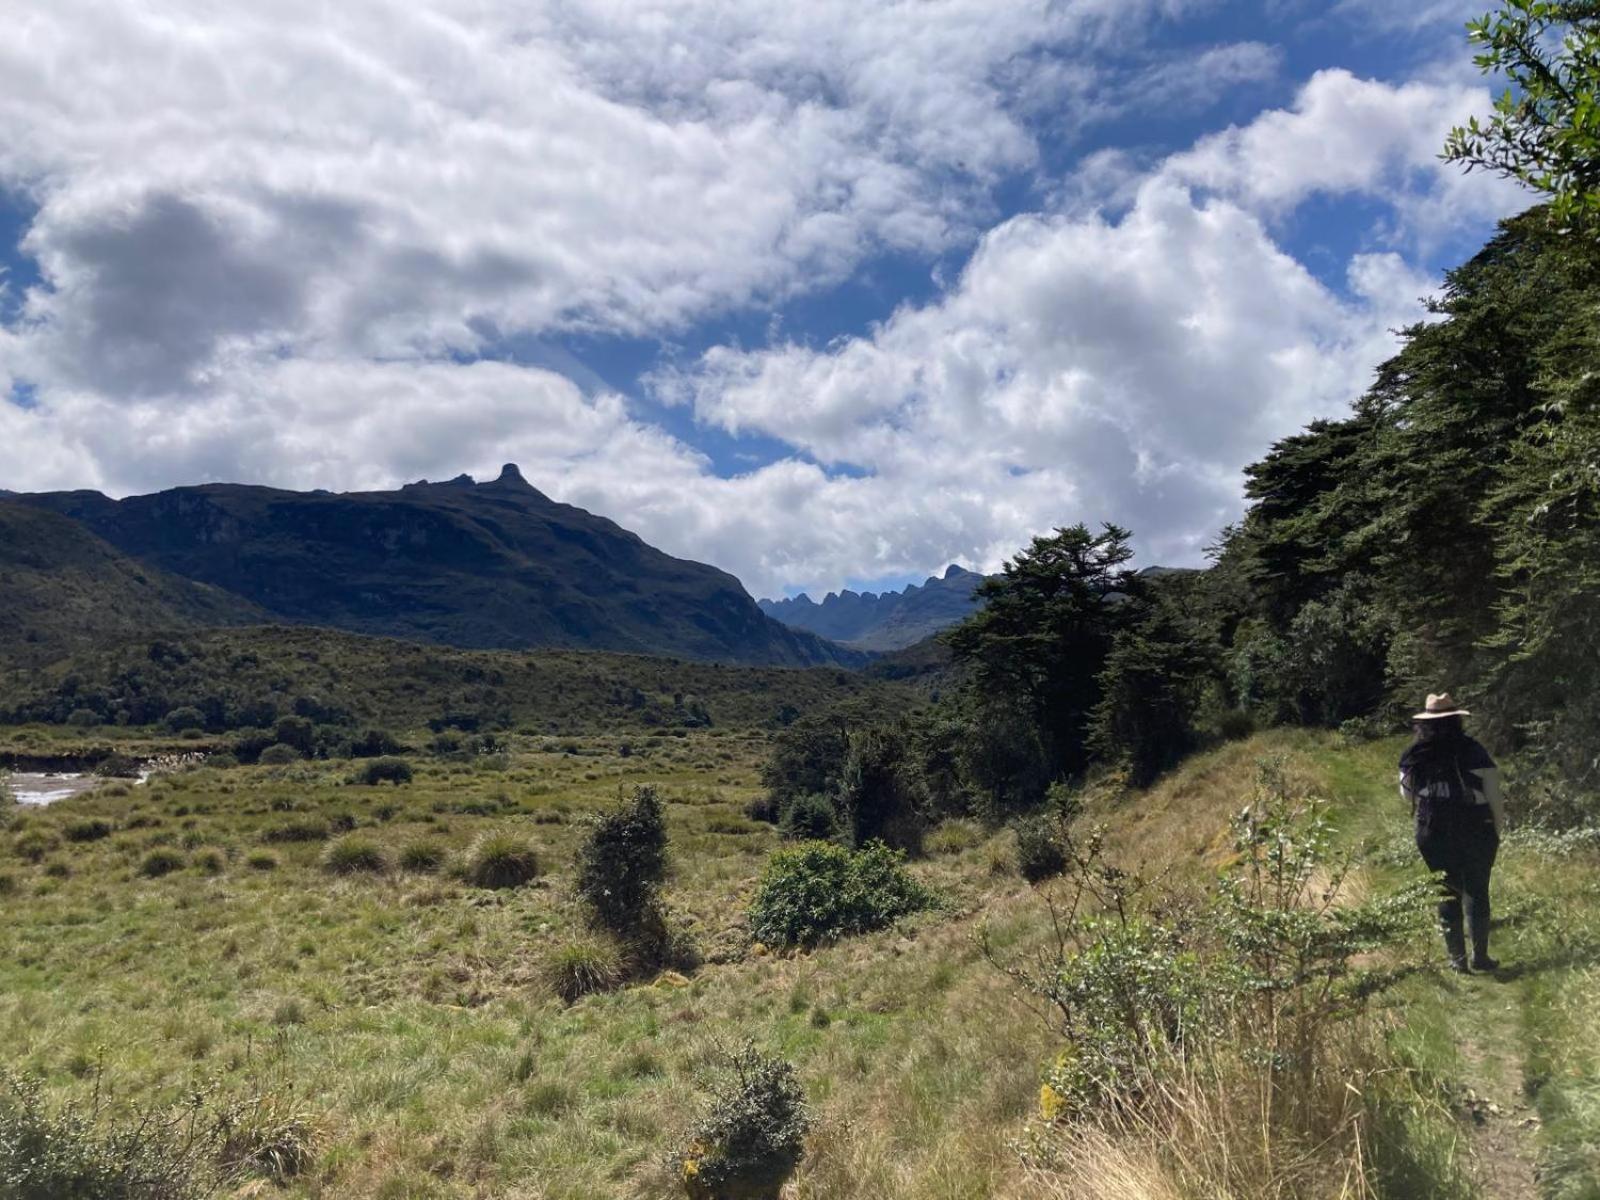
[[375, 743], [354, 855], [160, 862], [81, 1153], [621, 865], [422, 857], [1545, 130], [810, 818], [279, 754], [1150, 686], [879, 792], [582, 966], [501, 860], [820, 891], [88, 829], [386, 770], [806, 758], [752, 1137], [1040, 854]]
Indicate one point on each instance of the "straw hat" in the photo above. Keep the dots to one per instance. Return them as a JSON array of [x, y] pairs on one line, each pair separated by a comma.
[[1440, 704]]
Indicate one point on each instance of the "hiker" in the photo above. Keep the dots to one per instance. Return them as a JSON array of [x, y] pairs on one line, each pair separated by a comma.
[[1453, 787]]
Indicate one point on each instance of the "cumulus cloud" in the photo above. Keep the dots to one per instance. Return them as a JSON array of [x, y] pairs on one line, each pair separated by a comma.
[[272, 239]]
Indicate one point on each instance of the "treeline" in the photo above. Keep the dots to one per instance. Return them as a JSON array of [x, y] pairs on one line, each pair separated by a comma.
[[1444, 535]]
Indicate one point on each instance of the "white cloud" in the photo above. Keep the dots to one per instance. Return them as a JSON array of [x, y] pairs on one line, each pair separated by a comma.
[[266, 231]]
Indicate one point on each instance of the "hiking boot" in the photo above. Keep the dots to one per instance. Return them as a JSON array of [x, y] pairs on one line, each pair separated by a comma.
[[1483, 962], [1459, 965]]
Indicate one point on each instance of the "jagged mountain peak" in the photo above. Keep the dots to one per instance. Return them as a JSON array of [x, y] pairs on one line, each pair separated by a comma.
[[884, 620]]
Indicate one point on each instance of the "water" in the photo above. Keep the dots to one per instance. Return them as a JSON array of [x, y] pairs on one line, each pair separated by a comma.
[[46, 788]]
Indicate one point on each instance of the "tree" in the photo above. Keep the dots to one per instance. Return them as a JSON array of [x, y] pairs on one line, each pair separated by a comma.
[[1545, 129], [1047, 624]]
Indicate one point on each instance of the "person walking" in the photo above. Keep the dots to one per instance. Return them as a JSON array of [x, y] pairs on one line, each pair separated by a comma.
[[1453, 787]]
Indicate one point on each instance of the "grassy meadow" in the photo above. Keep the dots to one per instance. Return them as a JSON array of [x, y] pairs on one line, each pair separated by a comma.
[[403, 1022]]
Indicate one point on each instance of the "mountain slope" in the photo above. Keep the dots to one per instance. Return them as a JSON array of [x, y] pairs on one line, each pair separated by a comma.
[[495, 565], [62, 589], [887, 620]]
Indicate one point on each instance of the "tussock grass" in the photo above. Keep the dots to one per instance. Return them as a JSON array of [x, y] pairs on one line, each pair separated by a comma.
[[501, 860], [355, 855]]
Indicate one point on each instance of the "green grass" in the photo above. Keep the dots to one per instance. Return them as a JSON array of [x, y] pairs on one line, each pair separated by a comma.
[[416, 1024]]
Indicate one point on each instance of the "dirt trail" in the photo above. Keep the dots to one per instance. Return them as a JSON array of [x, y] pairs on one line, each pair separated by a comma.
[[1503, 1125]]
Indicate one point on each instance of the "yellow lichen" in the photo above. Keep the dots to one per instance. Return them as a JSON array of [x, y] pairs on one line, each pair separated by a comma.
[[1052, 1104]]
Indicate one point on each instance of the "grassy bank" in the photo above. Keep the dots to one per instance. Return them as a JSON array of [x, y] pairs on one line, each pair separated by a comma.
[[406, 1016]]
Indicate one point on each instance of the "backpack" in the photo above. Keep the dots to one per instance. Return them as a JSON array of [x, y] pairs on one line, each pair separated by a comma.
[[1444, 785]]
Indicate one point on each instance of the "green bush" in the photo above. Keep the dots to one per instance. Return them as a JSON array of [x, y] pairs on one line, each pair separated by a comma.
[[809, 818], [34, 844], [304, 829], [87, 830], [72, 1153], [1040, 855], [821, 891], [117, 766], [501, 860], [279, 754], [354, 855], [752, 1138], [83, 718], [185, 717], [386, 770], [622, 863], [582, 966], [376, 743], [160, 862], [422, 857]]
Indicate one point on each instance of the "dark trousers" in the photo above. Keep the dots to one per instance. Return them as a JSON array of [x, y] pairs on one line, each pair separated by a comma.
[[1462, 843]]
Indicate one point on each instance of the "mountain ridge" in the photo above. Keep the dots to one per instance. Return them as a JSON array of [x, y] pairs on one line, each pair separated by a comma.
[[883, 621], [490, 565]]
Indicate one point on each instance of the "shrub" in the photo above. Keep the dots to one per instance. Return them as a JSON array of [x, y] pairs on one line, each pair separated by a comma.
[[880, 793], [83, 718], [261, 860], [764, 808], [160, 862], [279, 754], [88, 830], [622, 863], [422, 857], [809, 819], [221, 761], [1040, 855], [751, 1139], [501, 860], [186, 717], [80, 1153], [386, 770], [820, 891], [954, 836], [376, 743], [34, 844], [353, 855], [265, 1137], [210, 861], [117, 766], [303, 829], [581, 966]]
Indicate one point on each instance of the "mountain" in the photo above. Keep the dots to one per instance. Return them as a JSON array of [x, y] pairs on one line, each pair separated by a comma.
[[493, 565], [887, 620], [62, 589]]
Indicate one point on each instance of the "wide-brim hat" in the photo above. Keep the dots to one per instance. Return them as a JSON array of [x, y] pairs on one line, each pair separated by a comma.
[[1440, 704]]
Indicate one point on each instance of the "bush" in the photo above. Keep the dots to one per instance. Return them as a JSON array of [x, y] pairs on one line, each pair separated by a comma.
[[752, 1138], [580, 967], [34, 844], [501, 860], [353, 855], [117, 766], [1040, 855], [954, 837], [186, 717], [376, 743], [622, 863], [303, 829], [809, 819], [83, 718], [160, 862], [77, 1154], [386, 770], [279, 754], [821, 891], [88, 830], [422, 857]]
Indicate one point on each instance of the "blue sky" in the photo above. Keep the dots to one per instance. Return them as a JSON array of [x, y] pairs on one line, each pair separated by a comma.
[[827, 295]]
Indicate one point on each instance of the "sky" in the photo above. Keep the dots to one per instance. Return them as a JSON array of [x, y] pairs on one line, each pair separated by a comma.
[[826, 294]]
